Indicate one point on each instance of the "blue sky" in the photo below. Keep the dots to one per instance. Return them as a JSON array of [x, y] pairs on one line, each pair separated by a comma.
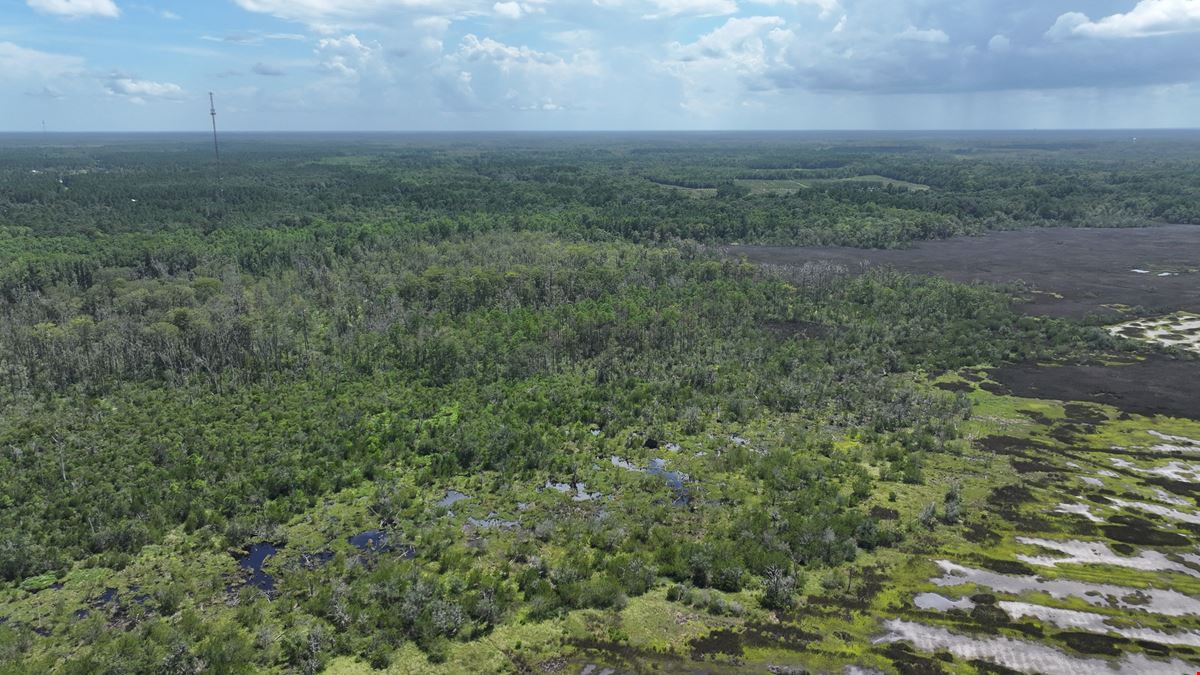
[[599, 64]]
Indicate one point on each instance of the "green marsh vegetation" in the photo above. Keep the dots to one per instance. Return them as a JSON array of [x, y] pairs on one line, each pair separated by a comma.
[[641, 427]]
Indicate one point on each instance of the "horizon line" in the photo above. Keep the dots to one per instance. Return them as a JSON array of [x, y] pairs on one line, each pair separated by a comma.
[[39, 132]]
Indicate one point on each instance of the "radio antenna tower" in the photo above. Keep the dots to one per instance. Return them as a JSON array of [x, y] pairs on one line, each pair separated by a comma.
[[212, 110]]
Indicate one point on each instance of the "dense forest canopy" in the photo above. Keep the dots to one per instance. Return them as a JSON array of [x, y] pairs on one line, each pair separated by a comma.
[[340, 330]]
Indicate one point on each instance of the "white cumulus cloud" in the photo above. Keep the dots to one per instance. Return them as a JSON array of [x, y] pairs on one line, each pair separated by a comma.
[[1147, 19], [139, 91], [76, 8], [515, 10], [721, 65], [508, 10], [739, 43], [484, 73], [348, 56]]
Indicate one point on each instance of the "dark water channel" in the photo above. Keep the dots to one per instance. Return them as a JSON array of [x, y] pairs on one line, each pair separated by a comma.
[[658, 467]]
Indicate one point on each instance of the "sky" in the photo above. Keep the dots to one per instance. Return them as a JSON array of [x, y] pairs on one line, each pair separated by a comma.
[[378, 65]]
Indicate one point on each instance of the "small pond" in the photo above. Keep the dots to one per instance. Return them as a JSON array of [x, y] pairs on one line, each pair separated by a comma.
[[452, 497], [254, 559]]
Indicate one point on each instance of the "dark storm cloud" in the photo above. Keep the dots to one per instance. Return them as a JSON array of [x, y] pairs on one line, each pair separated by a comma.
[[954, 68]]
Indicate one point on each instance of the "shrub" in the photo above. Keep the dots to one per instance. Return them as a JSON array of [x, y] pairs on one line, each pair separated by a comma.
[[779, 589]]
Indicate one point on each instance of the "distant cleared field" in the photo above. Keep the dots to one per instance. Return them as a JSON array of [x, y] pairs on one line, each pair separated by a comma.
[[691, 192], [765, 186], [769, 186], [776, 186]]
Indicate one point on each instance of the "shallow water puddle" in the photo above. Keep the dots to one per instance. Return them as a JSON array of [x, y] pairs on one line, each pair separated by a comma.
[[1179, 471], [1152, 600], [1091, 622], [256, 556], [452, 497], [580, 490], [1174, 439], [1094, 482], [1068, 619], [674, 479], [106, 597], [1159, 510], [622, 463], [1183, 472], [492, 522], [1077, 509], [1174, 443], [1174, 448], [940, 603], [1176, 330], [1098, 553], [377, 541], [658, 467], [1022, 655], [371, 540], [1168, 498]]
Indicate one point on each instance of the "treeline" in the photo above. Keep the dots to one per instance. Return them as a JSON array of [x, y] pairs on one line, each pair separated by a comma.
[[600, 188]]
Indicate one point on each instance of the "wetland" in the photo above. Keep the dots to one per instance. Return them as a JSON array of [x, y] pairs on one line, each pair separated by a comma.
[[583, 404]]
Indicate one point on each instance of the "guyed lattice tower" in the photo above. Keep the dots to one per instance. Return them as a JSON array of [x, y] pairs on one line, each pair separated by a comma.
[[212, 110]]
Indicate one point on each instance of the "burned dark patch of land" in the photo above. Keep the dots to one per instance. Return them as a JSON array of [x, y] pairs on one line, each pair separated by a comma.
[[1156, 385], [1033, 466], [1011, 445], [1076, 271]]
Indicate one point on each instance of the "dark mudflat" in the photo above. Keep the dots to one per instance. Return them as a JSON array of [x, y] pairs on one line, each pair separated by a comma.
[[1088, 267]]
